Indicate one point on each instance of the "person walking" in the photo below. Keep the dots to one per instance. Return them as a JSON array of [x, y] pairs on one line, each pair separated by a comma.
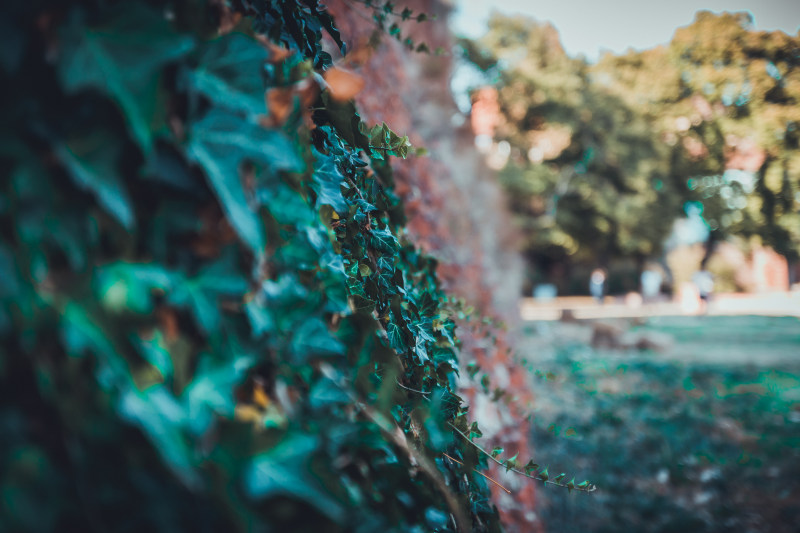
[[597, 285]]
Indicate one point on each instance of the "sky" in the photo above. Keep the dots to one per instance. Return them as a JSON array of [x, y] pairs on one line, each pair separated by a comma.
[[589, 27]]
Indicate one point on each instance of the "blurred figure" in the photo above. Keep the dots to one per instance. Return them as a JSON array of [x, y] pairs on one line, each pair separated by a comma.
[[704, 282], [651, 285], [597, 285], [545, 292]]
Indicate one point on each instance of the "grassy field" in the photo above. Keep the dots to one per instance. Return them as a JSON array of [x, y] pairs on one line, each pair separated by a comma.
[[701, 436]]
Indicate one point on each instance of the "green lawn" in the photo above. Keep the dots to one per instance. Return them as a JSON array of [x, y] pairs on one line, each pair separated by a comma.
[[704, 436]]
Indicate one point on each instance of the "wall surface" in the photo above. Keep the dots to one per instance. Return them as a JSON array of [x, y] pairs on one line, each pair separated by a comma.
[[456, 212]]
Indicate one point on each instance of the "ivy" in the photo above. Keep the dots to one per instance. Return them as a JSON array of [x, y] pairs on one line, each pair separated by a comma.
[[219, 319]]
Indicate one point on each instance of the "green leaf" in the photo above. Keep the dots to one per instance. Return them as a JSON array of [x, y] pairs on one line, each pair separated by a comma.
[[511, 463], [128, 286], [343, 117], [496, 451], [156, 353], [81, 332], [531, 467], [283, 471], [230, 73], [312, 339], [123, 59], [383, 241], [559, 477], [91, 162], [221, 142], [474, 431], [327, 183], [543, 475], [160, 416], [203, 292], [325, 393], [212, 387], [571, 484], [394, 331]]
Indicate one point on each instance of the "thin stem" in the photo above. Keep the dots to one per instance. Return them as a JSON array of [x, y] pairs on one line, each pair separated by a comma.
[[591, 488], [478, 472], [410, 389]]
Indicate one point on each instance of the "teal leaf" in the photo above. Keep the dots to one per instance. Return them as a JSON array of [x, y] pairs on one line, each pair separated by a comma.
[[531, 467], [81, 333], [230, 73], [211, 390], [122, 59], [326, 393], [312, 338], [283, 471], [203, 292], [128, 286], [327, 183], [221, 142], [156, 353], [497, 451], [394, 331], [160, 416], [383, 241], [92, 164]]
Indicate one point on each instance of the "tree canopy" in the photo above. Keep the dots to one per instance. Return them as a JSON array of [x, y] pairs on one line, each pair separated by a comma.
[[602, 158]]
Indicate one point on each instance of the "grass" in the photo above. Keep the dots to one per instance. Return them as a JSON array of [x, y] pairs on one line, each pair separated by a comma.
[[703, 437]]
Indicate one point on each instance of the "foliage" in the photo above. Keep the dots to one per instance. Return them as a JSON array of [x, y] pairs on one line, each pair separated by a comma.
[[600, 159], [212, 317]]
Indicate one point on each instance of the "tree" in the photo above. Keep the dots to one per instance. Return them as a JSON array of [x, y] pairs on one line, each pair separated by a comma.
[[710, 119], [586, 171]]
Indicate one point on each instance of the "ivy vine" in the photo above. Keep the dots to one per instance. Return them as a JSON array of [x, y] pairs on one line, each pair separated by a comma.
[[212, 316]]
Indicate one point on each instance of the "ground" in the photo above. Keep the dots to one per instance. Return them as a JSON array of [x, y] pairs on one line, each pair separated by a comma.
[[701, 433]]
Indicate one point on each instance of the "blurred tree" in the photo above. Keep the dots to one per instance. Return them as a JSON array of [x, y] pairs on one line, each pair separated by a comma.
[[589, 179], [601, 158], [726, 97]]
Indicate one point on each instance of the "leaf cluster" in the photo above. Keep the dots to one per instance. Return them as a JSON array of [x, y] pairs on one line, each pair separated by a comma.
[[212, 318]]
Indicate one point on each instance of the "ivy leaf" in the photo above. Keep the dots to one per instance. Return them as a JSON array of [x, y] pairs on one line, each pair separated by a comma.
[[312, 338], [160, 416], [474, 431], [156, 353], [327, 23], [220, 143], [325, 393], [211, 388], [497, 451], [282, 471], [327, 183], [344, 119], [531, 467], [228, 73], [511, 463], [394, 331], [383, 241], [128, 286], [544, 475], [91, 162], [123, 59]]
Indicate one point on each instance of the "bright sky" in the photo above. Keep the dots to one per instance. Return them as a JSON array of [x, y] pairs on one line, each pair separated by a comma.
[[591, 26]]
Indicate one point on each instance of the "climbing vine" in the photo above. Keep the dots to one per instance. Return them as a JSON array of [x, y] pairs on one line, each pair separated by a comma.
[[212, 316]]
